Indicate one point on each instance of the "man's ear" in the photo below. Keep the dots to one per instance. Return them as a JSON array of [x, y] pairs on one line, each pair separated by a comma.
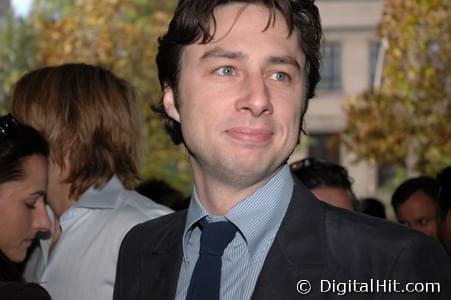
[[169, 104]]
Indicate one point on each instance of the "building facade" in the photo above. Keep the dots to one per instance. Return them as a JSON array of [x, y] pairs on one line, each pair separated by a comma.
[[349, 60]]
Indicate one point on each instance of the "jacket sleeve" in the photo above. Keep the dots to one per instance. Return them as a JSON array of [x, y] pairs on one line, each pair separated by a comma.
[[423, 271]]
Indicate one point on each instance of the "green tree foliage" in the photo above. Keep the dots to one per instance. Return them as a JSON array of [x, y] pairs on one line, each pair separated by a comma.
[[120, 35], [408, 117], [17, 52]]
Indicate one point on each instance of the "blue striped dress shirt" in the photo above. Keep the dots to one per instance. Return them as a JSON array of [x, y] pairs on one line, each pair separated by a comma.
[[258, 217]]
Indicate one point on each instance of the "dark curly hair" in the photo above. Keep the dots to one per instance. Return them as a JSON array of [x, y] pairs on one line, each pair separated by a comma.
[[315, 172], [192, 23]]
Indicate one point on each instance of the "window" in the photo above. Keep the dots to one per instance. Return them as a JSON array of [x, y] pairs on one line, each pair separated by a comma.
[[386, 174], [325, 146], [330, 67], [374, 52]]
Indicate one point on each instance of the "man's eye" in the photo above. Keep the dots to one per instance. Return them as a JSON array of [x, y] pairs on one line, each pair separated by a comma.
[[280, 76], [225, 71]]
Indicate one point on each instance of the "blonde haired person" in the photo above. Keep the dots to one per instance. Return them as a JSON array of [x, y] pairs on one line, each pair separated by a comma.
[[91, 120]]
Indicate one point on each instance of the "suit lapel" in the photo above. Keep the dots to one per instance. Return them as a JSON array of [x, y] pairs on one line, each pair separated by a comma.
[[298, 251], [164, 261]]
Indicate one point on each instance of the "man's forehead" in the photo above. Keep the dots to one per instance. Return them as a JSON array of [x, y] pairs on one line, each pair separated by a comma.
[[226, 16], [231, 27]]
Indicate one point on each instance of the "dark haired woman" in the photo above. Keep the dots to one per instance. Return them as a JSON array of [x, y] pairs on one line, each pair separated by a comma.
[[23, 185]]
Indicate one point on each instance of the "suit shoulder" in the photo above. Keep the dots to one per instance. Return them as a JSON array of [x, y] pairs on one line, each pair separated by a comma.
[[154, 230], [362, 227], [382, 245]]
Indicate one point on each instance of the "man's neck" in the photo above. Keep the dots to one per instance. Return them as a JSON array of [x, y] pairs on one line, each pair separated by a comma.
[[218, 197], [63, 201]]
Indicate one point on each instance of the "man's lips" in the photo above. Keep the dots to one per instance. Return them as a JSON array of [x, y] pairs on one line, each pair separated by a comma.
[[250, 135]]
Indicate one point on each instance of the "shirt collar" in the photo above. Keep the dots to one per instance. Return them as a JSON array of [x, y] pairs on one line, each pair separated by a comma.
[[104, 197], [195, 211], [258, 216]]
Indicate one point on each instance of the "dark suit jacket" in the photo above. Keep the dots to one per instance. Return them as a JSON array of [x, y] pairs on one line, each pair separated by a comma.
[[315, 242]]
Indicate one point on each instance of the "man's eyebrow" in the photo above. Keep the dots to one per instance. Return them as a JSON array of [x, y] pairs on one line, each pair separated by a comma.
[[219, 52], [284, 60], [222, 53]]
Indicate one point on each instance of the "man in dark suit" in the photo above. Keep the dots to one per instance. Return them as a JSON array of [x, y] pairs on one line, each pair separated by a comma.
[[236, 77]]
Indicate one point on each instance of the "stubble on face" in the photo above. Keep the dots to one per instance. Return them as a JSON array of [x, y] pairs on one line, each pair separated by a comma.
[[240, 98]]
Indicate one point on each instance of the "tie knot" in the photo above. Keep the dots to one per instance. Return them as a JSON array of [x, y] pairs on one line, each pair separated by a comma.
[[215, 237]]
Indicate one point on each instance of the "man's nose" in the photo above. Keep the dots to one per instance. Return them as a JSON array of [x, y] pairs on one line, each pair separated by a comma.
[[256, 97]]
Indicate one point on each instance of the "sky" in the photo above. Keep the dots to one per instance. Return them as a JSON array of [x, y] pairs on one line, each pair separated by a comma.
[[21, 7]]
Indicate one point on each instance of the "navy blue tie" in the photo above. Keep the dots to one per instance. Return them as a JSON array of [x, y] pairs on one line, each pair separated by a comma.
[[206, 279]]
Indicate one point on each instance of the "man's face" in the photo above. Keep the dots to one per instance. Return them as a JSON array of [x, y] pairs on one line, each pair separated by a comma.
[[240, 97], [421, 213]]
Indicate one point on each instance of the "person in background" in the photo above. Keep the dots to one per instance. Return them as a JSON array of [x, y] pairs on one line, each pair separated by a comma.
[[23, 186], [91, 120], [328, 181], [415, 202], [444, 178], [373, 207], [162, 193], [236, 77]]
